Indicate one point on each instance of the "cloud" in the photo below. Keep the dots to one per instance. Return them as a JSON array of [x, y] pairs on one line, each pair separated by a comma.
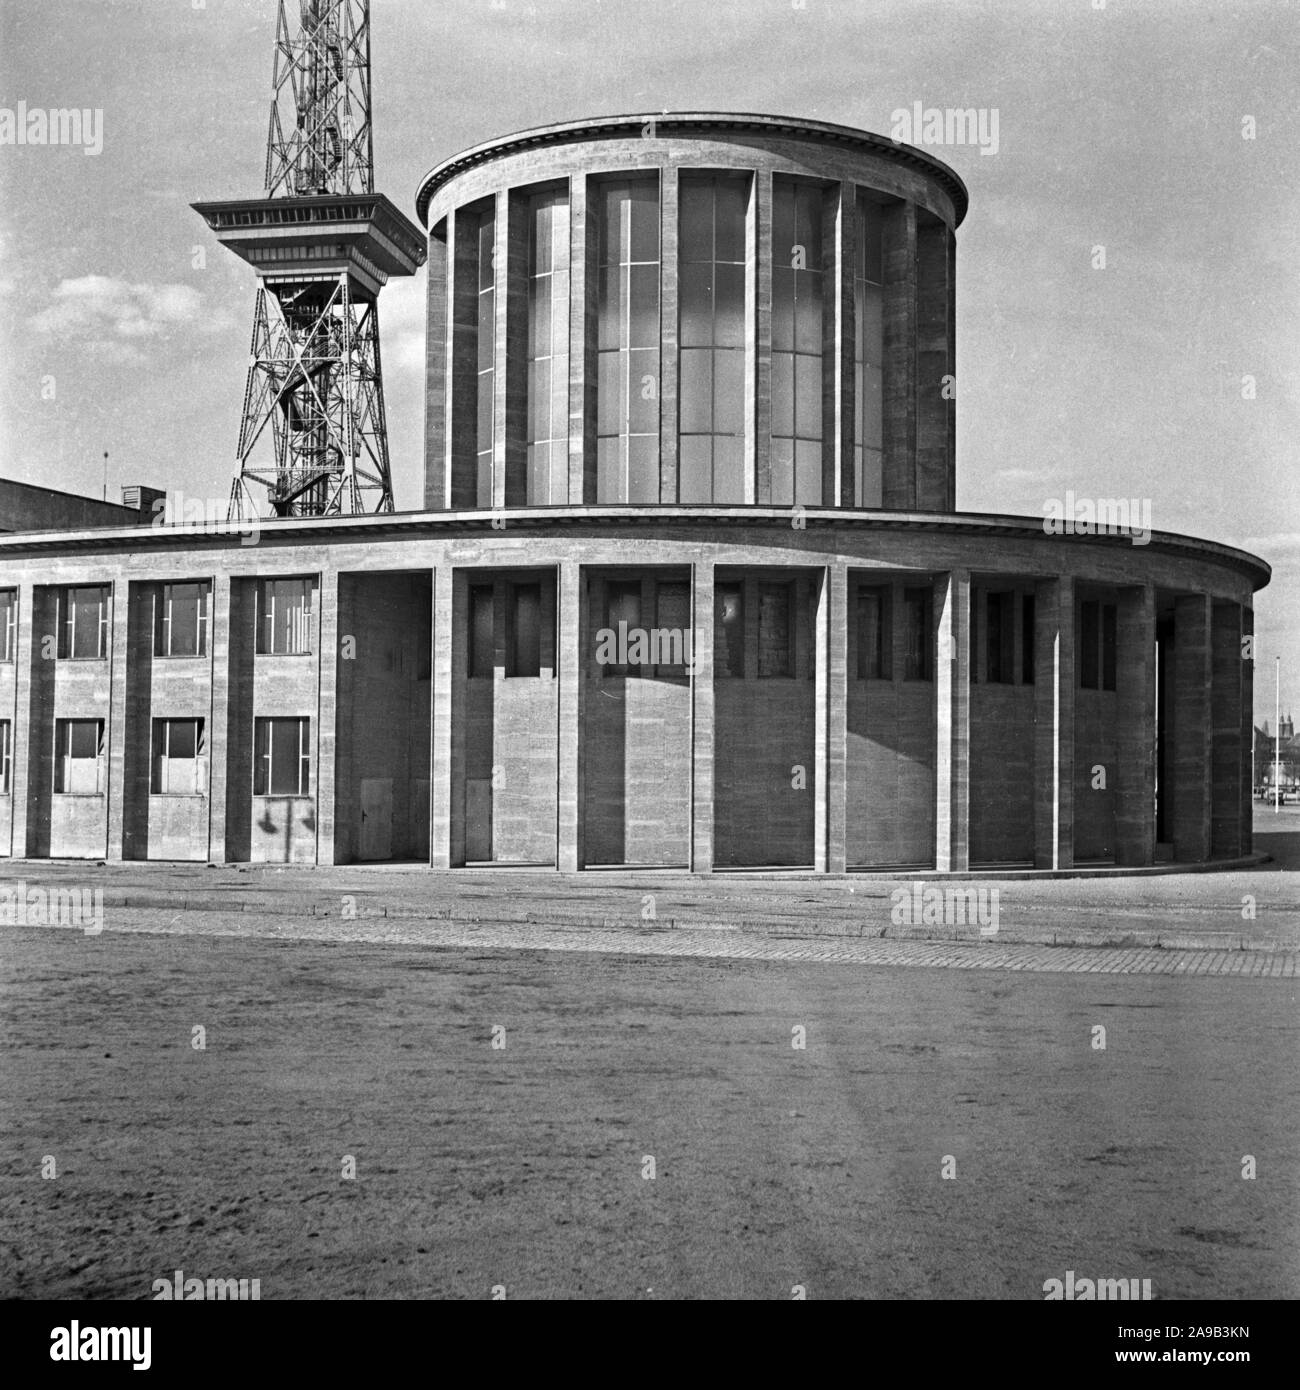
[[111, 316]]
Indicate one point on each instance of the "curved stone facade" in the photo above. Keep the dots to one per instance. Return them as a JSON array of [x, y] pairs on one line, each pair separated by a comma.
[[688, 589]]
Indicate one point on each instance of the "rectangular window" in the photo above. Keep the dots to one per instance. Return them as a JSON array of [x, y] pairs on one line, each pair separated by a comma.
[[282, 757], [1027, 640], [797, 375], [83, 622], [711, 328], [1089, 644], [8, 624], [78, 757], [548, 349], [622, 606], [1108, 645], [284, 617], [179, 758], [6, 755], [627, 376], [482, 616], [525, 630], [918, 662], [673, 622], [999, 638], [869, 357], [183, 620], [775, 630], [874, 627], [485, 337], [729, 631]]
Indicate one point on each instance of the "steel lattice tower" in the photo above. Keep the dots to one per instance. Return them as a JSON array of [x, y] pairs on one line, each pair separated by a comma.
[[323, 244]]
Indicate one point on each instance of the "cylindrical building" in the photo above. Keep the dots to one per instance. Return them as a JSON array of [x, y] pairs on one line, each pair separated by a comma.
[[688, 588]]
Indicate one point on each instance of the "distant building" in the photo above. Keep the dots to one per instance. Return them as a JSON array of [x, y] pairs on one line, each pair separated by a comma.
[[27, 507], [1280, 756], [688, 587]]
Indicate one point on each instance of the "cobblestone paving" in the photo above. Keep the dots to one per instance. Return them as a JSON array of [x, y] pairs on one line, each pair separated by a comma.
[[718, 944]]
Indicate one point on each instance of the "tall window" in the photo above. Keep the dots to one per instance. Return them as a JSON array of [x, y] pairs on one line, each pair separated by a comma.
[[83, 622], [627, 386], [8, 623], [917, 615], [284, 617], [79, 757], [548, 349], [623, 606], [869, 359], [282, 757], [1097, 638], [775, 630], [729, 631], [711, 371], [482, 637], [486, 354], [1027, 639], [999, 638], [183, 620], [796, 343], [6, 755], [524, 630], [874, 655], [178, 758]]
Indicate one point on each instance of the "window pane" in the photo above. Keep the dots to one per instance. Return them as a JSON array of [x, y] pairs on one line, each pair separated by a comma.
[[87, 609], [808, 397], [182, 739], [729, 631], [482, 640], [728, 469], [526, 624], [728, 391], [729, 305], [285, 772], [695, 299], [83, 738], [774, 630], [808, 472], [696, 390], [643, 468], [782, 472], [644, 204], [695, 469]]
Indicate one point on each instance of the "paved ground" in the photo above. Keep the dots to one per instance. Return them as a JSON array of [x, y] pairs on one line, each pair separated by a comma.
[[523, 1166], [1183, 911]]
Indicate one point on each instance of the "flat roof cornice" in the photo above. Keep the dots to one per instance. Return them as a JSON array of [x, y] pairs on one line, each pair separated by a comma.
[[611, 127], [322, 529]]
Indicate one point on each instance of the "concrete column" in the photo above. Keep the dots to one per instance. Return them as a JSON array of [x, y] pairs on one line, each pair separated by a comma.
[[1226, 827], [118, 714], [702, 717], [952, 721], [899, 467], [440, 822], [220, 638], [831, 677], [934, 461], [1191, 728], [758, 374], [1246, 838], [570, 665], [1054, 723], [668, 345], [1135, 736], [500, 346], [327, 713], [437, 472], [841, 379], [583, 250], [26, 747]]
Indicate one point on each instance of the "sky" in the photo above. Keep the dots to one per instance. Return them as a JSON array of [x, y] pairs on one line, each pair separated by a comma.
[[1170, 374]]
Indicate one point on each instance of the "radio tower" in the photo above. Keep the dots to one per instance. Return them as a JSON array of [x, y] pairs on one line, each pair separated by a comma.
[[323, 244]]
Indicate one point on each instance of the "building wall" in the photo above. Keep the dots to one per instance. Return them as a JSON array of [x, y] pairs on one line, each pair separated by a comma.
[[698, 769]]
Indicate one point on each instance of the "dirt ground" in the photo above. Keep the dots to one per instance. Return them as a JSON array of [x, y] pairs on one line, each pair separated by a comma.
[[522, 1166]]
